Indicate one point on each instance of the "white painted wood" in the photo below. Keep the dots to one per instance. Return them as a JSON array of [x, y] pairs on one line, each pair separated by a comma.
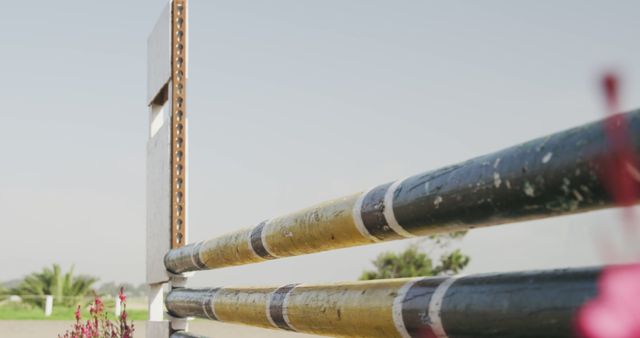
[[48, 306], [118, 307], [158, 194], [158, 329], [156, 305], [159, 54]]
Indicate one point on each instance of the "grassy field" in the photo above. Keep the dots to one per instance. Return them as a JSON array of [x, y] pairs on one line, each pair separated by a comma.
[[18, 311], [51, 329]]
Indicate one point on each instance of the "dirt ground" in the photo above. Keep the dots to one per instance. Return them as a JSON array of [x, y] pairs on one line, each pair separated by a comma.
[[50, 329]]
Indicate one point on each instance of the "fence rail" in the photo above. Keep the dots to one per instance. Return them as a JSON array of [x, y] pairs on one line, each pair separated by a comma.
[[559, 174], [532, 304], [567, 172], [183, 334]]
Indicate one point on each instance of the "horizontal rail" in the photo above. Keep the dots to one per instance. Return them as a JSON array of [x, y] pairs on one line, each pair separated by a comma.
[[531, 304], [553, 175], [183, 334]]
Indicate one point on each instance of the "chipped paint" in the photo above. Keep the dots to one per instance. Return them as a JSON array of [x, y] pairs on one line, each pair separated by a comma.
[[553, 175], [496, 163], [540, 303], [528, 189], [243, 305], [324, 227], [437, 201]]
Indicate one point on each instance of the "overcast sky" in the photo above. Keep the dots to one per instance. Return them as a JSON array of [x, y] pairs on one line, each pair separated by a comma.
[[291, 103]]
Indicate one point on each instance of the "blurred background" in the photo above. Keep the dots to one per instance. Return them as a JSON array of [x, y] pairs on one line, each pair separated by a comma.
[[292, 103]]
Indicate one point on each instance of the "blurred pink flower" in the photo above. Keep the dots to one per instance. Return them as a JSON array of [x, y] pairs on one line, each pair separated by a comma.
[[99, 325], [122, 296], [615, 313]]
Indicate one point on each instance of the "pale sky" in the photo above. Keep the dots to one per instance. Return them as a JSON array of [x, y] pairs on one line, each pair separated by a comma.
[[292, 103]]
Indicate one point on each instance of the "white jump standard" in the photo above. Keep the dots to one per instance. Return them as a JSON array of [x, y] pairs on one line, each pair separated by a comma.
[[560, 174]]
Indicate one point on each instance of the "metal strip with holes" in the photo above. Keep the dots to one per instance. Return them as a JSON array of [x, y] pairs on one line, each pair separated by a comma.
[[178, 121]]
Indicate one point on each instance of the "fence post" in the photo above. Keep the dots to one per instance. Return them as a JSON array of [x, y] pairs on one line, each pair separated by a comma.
[[48, 305], [118, 307], [167, 180]]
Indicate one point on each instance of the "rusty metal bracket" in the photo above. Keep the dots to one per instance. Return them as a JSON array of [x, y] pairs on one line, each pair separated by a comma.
[[178, 123]]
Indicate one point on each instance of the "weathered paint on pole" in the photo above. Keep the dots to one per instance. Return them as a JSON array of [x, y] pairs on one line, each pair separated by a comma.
[[553, 175], [523, 304]]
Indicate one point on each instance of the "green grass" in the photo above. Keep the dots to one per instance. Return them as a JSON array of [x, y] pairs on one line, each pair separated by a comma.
[[17, 311]]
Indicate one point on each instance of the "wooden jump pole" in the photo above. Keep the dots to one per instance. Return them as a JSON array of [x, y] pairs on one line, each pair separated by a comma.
[[523, 304], [559, 174]]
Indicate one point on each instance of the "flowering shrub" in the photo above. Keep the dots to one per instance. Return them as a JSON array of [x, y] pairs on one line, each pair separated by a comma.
[[615, 312], [99, 325]]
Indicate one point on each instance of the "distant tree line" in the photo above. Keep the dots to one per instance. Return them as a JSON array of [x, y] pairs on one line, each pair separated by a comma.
[[67, 288], [112, 288], [412, 262]]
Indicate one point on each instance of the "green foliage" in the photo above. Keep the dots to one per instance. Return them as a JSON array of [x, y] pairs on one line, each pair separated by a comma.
[[451, 264], [112, 289], [66, 289], [413, 263], [4, 292], [409, 263], [22, 311]]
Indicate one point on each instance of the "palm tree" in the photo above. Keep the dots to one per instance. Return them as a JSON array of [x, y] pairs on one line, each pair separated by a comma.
[[66, 289], [4, 292]]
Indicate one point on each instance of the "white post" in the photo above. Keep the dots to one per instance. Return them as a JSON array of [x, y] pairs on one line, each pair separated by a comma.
[[157, 326], [48, 305], [118, 306], [156, 306], [161, 159]]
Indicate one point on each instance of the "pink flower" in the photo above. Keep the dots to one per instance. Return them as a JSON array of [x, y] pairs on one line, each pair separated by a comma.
[[99, 326], [615, 313], [99, 306], [123, 298]]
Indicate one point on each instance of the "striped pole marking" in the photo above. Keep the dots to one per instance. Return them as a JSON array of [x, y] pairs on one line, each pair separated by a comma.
[[397, 309], [256, 242], [435, 308], [550, 176], [276, 308], [192, 303], [389, 215], [414, 315], [195, 256], [375, 209], [207, 304], [371, 216], [357, 217], [538, 303]]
